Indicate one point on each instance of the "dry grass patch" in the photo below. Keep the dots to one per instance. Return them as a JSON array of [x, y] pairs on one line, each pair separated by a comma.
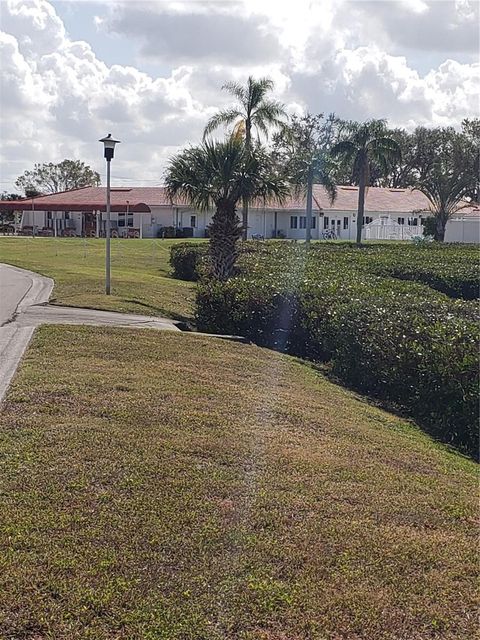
[[158, 486]]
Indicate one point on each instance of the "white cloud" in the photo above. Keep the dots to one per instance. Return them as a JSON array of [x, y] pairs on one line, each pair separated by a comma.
[[59, 96]]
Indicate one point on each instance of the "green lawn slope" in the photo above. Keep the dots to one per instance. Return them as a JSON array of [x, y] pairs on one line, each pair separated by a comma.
[[140, 273], [160, 486]]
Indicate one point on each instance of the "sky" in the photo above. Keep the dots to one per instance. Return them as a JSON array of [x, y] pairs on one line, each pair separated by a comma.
[[151, 72]]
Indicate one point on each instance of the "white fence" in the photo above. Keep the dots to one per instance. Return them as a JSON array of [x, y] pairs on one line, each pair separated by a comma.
[[464, 230], [390, 230]]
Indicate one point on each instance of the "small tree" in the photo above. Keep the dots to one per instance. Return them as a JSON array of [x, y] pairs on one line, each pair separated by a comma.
[[218, 175], [366, 147], [52, 178], [446, 192], [8, 216], [471, 132], [253, 111], [10, 196], [302, 146]]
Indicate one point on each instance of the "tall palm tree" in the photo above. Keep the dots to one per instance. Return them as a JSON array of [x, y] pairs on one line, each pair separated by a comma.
[[446, 192], [218, 175], [366, 146], [254, 111], [302, 146]]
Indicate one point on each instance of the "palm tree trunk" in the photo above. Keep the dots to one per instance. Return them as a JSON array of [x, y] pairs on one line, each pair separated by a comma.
[[245, 219], [248, 148], [308, 230], [440, 224], [361, 204], [225, 232]]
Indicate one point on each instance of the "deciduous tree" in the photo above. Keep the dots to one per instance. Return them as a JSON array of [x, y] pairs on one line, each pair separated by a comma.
[[52, 178]]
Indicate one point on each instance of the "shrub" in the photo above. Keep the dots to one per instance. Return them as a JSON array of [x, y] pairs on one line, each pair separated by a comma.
[[186, 260], [396, 340], [451, 269], [429, 226], [421, 355]]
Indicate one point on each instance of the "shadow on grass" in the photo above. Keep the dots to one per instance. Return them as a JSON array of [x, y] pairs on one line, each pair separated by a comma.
[[324, 369], [161, 311]]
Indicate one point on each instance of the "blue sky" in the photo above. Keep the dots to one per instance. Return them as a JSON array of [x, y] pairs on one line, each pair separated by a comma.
[[151, 72]]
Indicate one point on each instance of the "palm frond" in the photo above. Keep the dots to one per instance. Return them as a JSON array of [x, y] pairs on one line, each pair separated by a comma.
[[235, 89], [344, 148], [222, 118], [270, 112], [257, 90]]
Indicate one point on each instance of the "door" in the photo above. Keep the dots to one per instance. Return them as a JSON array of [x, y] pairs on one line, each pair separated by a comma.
[[336, 226], [89, 224]]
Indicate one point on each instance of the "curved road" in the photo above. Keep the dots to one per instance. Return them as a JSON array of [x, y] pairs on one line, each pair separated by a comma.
[[23, 306]]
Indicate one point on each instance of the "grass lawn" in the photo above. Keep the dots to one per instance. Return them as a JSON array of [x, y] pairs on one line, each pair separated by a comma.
[[140, 273], [158, 486]]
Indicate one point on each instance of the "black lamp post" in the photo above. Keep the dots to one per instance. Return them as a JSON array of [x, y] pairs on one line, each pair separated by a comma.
[[109, 146]]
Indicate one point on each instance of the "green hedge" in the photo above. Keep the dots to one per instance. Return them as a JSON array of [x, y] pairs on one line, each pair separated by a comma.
[[399, 341], [186, 260], [451, 269]]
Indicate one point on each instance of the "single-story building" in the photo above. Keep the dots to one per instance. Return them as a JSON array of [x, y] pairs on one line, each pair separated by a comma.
[[147, 212]]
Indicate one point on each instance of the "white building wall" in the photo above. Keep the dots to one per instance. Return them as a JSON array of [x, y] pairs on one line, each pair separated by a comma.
[[261, 222]]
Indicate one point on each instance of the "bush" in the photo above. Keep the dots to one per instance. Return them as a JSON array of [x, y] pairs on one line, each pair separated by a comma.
[[423, 356], [429, 226], [451, 269], [167, 232], [186, 260], [396, 340]]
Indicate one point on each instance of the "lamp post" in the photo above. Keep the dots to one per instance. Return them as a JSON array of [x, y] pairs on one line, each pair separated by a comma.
[[109, 146]]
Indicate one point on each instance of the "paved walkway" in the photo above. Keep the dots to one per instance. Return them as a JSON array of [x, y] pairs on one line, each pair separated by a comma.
[[24, 305]]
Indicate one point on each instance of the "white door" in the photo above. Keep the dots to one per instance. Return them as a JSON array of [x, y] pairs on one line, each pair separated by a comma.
[[336, 226]]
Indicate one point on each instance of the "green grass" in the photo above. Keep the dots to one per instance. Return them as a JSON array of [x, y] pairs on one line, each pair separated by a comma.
[[140, 273], [158, 486]]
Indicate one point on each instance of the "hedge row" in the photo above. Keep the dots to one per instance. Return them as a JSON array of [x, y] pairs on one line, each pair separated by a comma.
[[398, 341], [451, 269], [186, 260]]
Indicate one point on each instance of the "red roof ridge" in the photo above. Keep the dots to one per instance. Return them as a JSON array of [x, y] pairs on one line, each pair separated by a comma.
[[46, 195]]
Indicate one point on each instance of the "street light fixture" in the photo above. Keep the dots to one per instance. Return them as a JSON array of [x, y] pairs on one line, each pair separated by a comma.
[[109, 147]]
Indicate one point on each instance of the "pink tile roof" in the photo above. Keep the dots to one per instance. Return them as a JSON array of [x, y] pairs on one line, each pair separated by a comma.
[[140, 199], [90, 198]]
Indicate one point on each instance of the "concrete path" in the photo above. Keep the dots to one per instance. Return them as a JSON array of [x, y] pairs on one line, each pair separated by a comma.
[[23, 306]]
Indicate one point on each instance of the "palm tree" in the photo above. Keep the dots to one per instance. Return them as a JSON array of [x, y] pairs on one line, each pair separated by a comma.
[[218, 175], [254, 111], [302, 146], [446, 192], [366, 147]]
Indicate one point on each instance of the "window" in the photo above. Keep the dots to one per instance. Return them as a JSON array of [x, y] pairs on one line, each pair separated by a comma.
[[193, 221], [303, 222], [67, 215], [293, 222], [401, 220], [313, 222], [413, 222], [367, 219], [345, 222], [123, 217], [49, 215], [325, 222]]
